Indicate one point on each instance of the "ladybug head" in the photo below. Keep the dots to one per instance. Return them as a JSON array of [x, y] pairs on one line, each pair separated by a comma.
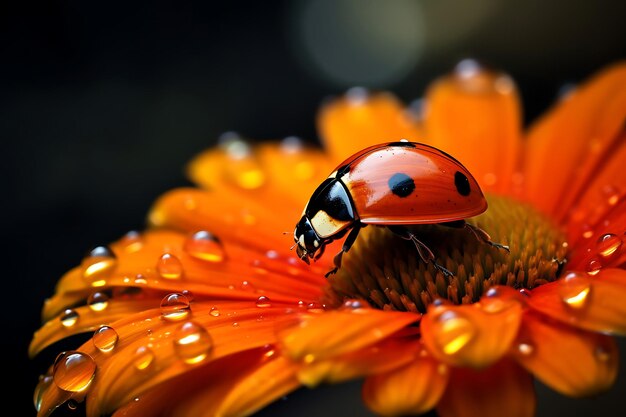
[[307, 241]]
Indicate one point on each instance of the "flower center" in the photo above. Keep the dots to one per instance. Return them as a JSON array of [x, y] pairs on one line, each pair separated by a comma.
[[387, 272]]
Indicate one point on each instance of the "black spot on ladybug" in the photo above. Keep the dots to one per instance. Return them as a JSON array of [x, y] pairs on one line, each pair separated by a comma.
[[404, 144], [462, 183], [401, 184]]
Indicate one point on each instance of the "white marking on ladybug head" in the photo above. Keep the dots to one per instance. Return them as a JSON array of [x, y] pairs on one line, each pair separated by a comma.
[[325, 225]]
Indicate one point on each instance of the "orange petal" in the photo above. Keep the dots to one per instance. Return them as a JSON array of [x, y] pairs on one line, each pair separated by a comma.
[[504, 389], [337, 332], [593, 303], [381, 357], [573, 362], [474, 335], [574, 140], [359, 120], [474, 114], [411, 389]]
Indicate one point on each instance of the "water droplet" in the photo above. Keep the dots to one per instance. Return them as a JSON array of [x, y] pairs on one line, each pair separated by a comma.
[[575, 290], [169, 266], [72, 405], [214, 312], [192, 342], [246, 286], [608, 244], [355, 304], [587, 231], [205, 246], [495, 302], [235, 324], [40, 390], [602, 354], [357, 96], [291, 145], [98, 265], [189, 295], [263, 302], [74, 371], [69, 317], [105, 338], [140, 280], [452, 332], [309, 358], [525, 348], [98, 301], [143, 358], [234, 146], [175, 307], [132, 241], [594, 266]]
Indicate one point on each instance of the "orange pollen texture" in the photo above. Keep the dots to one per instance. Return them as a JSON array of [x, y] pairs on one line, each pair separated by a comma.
[[389, 274]]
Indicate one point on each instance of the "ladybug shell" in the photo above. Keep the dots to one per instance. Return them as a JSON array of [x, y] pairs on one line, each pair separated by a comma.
[[409, 183]]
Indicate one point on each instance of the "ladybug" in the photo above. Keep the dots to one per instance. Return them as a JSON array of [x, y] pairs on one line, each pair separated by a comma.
[[390, 185]]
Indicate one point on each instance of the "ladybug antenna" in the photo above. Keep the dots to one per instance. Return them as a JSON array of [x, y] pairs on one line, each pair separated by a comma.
[[293, 246]]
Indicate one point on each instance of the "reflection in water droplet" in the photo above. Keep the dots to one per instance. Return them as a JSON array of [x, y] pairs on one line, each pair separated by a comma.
[[105, 338], [205, 246], [169, 266], [263, 302], [98, 301], [175, 307], [575, 290], [525, 348], [192, 342], [452, 332], [74, 371], [214, 312], [609, 244], [40, 390], [98, 265], [132, 241], [144, 357], [69, 317]]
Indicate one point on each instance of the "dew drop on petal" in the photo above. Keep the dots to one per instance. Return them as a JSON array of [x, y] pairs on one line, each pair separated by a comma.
[[291, 145], [169, 266], [594, 266], [74, 371], [214, 312], [192, 342], [132, 241], [263, 302], [72, 405], [525, 348], [98, 301], [105, 339], [69, 317], [609, 244], [452, 332], [42, 386], [144, 357], [188, 294], [355, 304], [175, 307], [98, 265], [205, 246], [602, 354], [575, 290]]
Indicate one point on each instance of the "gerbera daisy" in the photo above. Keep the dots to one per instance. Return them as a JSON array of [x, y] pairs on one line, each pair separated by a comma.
[[209, 313]]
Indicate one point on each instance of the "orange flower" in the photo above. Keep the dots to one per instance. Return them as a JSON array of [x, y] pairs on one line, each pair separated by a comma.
[[209, 313]]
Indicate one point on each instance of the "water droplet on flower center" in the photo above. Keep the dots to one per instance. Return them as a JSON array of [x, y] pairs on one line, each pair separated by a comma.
[[105, 338], [192, 342], [74, 371], [175, 307], [204, 246], [169, 266]]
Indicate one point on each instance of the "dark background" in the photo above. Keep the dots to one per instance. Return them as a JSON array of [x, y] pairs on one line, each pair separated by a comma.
[[102, 104]]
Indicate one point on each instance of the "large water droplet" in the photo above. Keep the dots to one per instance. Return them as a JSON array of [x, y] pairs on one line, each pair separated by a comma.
[[169, 266], [175, 307], [205, 246], [98, 265], [98, 301], [609, 244], [144, 357], [69, 317], [575, 290], [263, 302], [452, 332], [40, 390], [105, 338], [74, 371], [192, 342]]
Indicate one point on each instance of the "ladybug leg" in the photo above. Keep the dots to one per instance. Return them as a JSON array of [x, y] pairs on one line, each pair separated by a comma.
[[484, 237], [320, 253], [347, 244], [424, 251]]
